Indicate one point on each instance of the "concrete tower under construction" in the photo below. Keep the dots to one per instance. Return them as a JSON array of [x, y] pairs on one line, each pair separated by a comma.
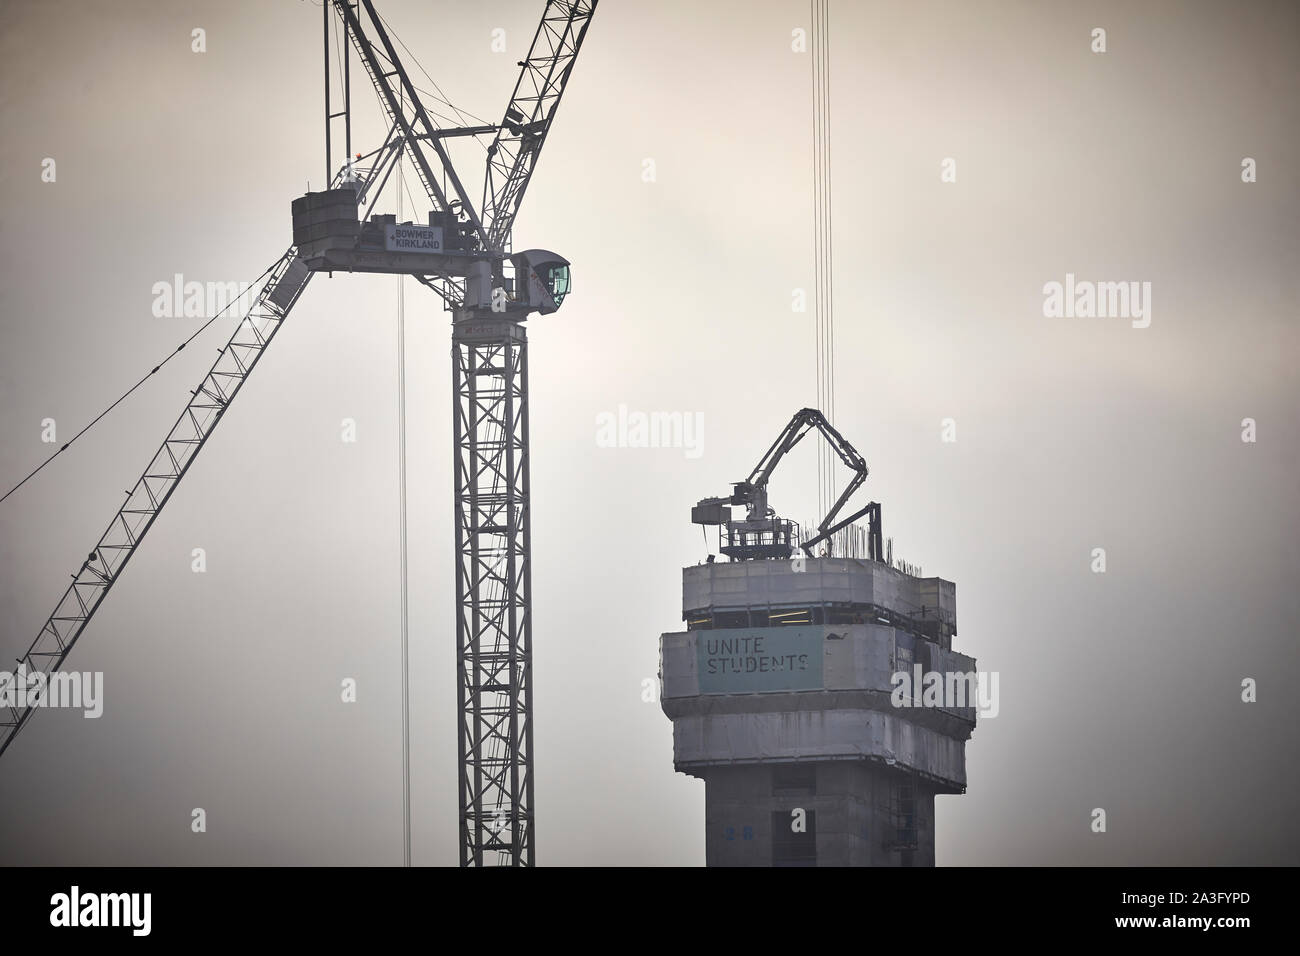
[[816, 694]]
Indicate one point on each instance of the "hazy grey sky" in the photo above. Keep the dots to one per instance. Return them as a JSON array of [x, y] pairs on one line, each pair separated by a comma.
[[1119, 690]]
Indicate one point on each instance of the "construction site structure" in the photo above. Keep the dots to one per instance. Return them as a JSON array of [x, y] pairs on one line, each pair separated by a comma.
[[783, 695]]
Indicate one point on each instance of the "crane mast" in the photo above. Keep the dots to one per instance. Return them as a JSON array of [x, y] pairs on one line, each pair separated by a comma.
[[494, 643], [466, 257]]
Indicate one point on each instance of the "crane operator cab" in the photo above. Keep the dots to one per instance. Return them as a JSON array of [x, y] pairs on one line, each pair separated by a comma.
[[539, 283], [542, 278]]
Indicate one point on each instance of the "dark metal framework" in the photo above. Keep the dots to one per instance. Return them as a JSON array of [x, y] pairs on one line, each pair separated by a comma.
[[490, 396], [804, 421], [766, 538], [493, 594], [490, 383], [527, 119], [285, 282], [764, 535], [874, 545], [405, 109], [102, 567]]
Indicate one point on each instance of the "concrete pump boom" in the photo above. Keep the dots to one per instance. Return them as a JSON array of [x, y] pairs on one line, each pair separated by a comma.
[[774, 536]]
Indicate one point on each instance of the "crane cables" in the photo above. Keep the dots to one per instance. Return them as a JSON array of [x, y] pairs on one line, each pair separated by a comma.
[[127, 394], [401, 484], [823, 259]]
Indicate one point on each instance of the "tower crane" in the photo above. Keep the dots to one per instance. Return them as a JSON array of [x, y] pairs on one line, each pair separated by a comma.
[[464, 254]]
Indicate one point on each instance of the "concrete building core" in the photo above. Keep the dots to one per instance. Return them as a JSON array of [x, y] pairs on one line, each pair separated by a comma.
[[784, 701]]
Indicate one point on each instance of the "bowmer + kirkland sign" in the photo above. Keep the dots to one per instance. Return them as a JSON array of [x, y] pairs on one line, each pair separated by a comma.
[[413, 238]]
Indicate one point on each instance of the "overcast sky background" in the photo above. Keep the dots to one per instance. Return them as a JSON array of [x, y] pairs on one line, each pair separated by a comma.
[[1119, 690]]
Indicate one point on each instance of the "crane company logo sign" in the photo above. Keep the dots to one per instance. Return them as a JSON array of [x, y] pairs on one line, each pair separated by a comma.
[[413, 238], [75, 908], [759, 660], [483, 329]]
